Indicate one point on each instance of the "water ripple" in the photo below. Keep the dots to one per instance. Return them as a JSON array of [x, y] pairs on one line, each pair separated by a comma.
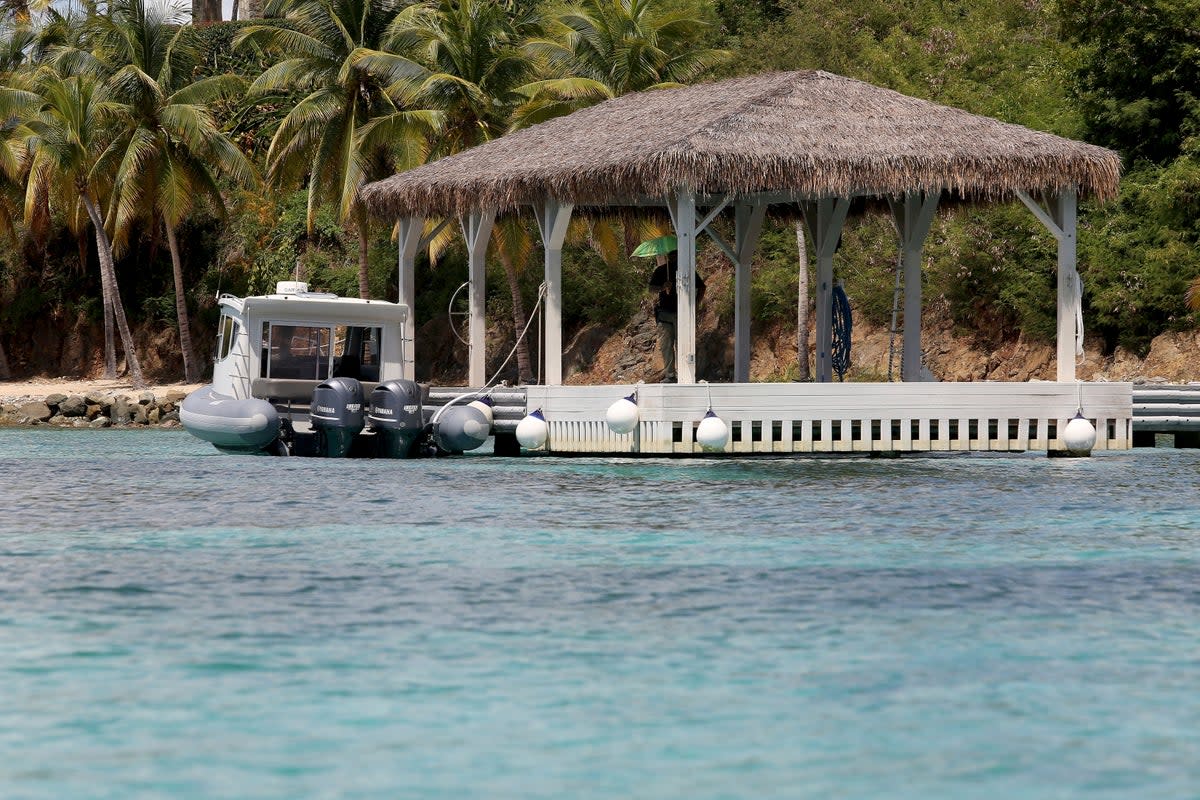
[[211, 626]]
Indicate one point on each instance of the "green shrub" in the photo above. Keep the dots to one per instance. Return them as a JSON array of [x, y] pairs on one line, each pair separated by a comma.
[[594, 291], [1139, 254]]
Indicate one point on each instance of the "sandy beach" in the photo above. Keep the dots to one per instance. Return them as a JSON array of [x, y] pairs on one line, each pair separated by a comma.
[[40, 388]]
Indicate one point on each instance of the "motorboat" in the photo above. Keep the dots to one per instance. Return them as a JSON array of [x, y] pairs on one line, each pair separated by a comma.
[[299, 372]]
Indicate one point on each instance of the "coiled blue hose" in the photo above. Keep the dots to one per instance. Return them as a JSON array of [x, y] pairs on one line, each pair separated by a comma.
[[843, 324]]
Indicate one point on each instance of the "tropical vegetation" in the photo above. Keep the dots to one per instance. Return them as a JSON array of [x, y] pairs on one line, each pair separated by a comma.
[[148, 163]]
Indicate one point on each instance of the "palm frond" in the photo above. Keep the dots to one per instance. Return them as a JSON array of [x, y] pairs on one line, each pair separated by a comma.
[[295, 44], [511, 235], [175, 191], [301, 129], [601, 234], [208, 90], [192, 125], [132, 85], [293, 73], [445, 239], [1193, 295], [388, 68], [402, 131]]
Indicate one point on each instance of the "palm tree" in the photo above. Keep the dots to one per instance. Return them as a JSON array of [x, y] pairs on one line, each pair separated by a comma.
[[173, 149], [347, 130], [1193, 295], [14, 105], [599, 49], [17, 40], [20, 10], [466, 59], [72, 129]]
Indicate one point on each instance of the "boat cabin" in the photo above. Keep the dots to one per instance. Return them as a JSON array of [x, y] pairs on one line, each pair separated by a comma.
[[279, 347]]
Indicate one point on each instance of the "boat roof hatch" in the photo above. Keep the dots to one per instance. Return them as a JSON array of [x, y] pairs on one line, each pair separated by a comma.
[[318, 307]]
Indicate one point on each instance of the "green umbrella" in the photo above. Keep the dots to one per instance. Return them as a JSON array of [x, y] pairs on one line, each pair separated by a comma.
[[657, 247]]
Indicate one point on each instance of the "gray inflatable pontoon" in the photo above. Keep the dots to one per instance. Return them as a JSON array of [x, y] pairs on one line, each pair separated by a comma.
[[227, 422]]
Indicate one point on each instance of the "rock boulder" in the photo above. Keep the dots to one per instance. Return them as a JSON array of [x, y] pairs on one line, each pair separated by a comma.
[[34, 412], [73, 406]]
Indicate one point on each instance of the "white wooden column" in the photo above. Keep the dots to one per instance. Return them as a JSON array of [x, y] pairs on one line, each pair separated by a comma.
[[748, 221], [477, 229], [409, 236], [683, 214], [914, 216], [1061, 222], [552, 219], [824, 218], [1070, 300]]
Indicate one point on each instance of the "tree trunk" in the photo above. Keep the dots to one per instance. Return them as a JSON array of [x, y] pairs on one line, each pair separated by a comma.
[[524, 373], [205, 12], [110, 344], [191, 373], [107, 271], [364, 291], [110, 334], [802, 307], [5, 372]]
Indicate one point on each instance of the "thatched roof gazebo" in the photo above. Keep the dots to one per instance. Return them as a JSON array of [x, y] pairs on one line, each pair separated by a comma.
[[810, 139]]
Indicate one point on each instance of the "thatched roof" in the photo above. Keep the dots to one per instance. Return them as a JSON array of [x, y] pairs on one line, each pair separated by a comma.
[[811, 133]]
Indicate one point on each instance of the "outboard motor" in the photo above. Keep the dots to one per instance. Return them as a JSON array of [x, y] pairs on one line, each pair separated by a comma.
[[337, 415], [396, 418]]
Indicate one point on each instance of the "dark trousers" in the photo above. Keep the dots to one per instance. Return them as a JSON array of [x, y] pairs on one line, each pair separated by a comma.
[[666, 342]]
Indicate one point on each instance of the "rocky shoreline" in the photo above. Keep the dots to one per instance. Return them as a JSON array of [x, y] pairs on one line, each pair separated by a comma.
[[94, 409]]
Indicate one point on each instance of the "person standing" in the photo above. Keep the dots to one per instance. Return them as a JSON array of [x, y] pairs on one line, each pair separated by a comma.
[[666, 307]]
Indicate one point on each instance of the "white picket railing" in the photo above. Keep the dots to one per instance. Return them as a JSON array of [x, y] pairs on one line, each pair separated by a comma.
[[837, 417]]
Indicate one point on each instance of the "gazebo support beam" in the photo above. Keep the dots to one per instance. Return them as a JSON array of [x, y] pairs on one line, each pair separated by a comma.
[[412, 240], [477, 230], [553, 218], [825, 218], [683, 214], [1061, 222], [748, 219], [409, 235], [914, 215], [748, 222]]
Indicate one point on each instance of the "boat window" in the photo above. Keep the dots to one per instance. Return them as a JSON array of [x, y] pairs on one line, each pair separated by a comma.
[[297, 351], [226, 336], [357, 352]]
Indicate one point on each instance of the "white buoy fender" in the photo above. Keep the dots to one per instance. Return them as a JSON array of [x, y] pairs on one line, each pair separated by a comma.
[[533, 431], [463, 428], [712, 433], [1080, 435], [484, 404], [622, 416]]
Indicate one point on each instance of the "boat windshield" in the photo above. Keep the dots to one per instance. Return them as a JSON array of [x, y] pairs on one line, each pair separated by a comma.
[[316, 352]]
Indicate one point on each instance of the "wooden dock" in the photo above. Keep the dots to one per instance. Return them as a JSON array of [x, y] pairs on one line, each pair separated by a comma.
[[866, 418]]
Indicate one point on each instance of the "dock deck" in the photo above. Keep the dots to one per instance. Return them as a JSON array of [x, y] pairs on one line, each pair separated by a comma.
[[864, 418]]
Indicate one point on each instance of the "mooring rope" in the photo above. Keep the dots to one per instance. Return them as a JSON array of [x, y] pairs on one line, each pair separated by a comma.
[[489, 385]]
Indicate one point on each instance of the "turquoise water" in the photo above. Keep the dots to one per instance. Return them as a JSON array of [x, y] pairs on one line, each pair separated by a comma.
[[176, 623]]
